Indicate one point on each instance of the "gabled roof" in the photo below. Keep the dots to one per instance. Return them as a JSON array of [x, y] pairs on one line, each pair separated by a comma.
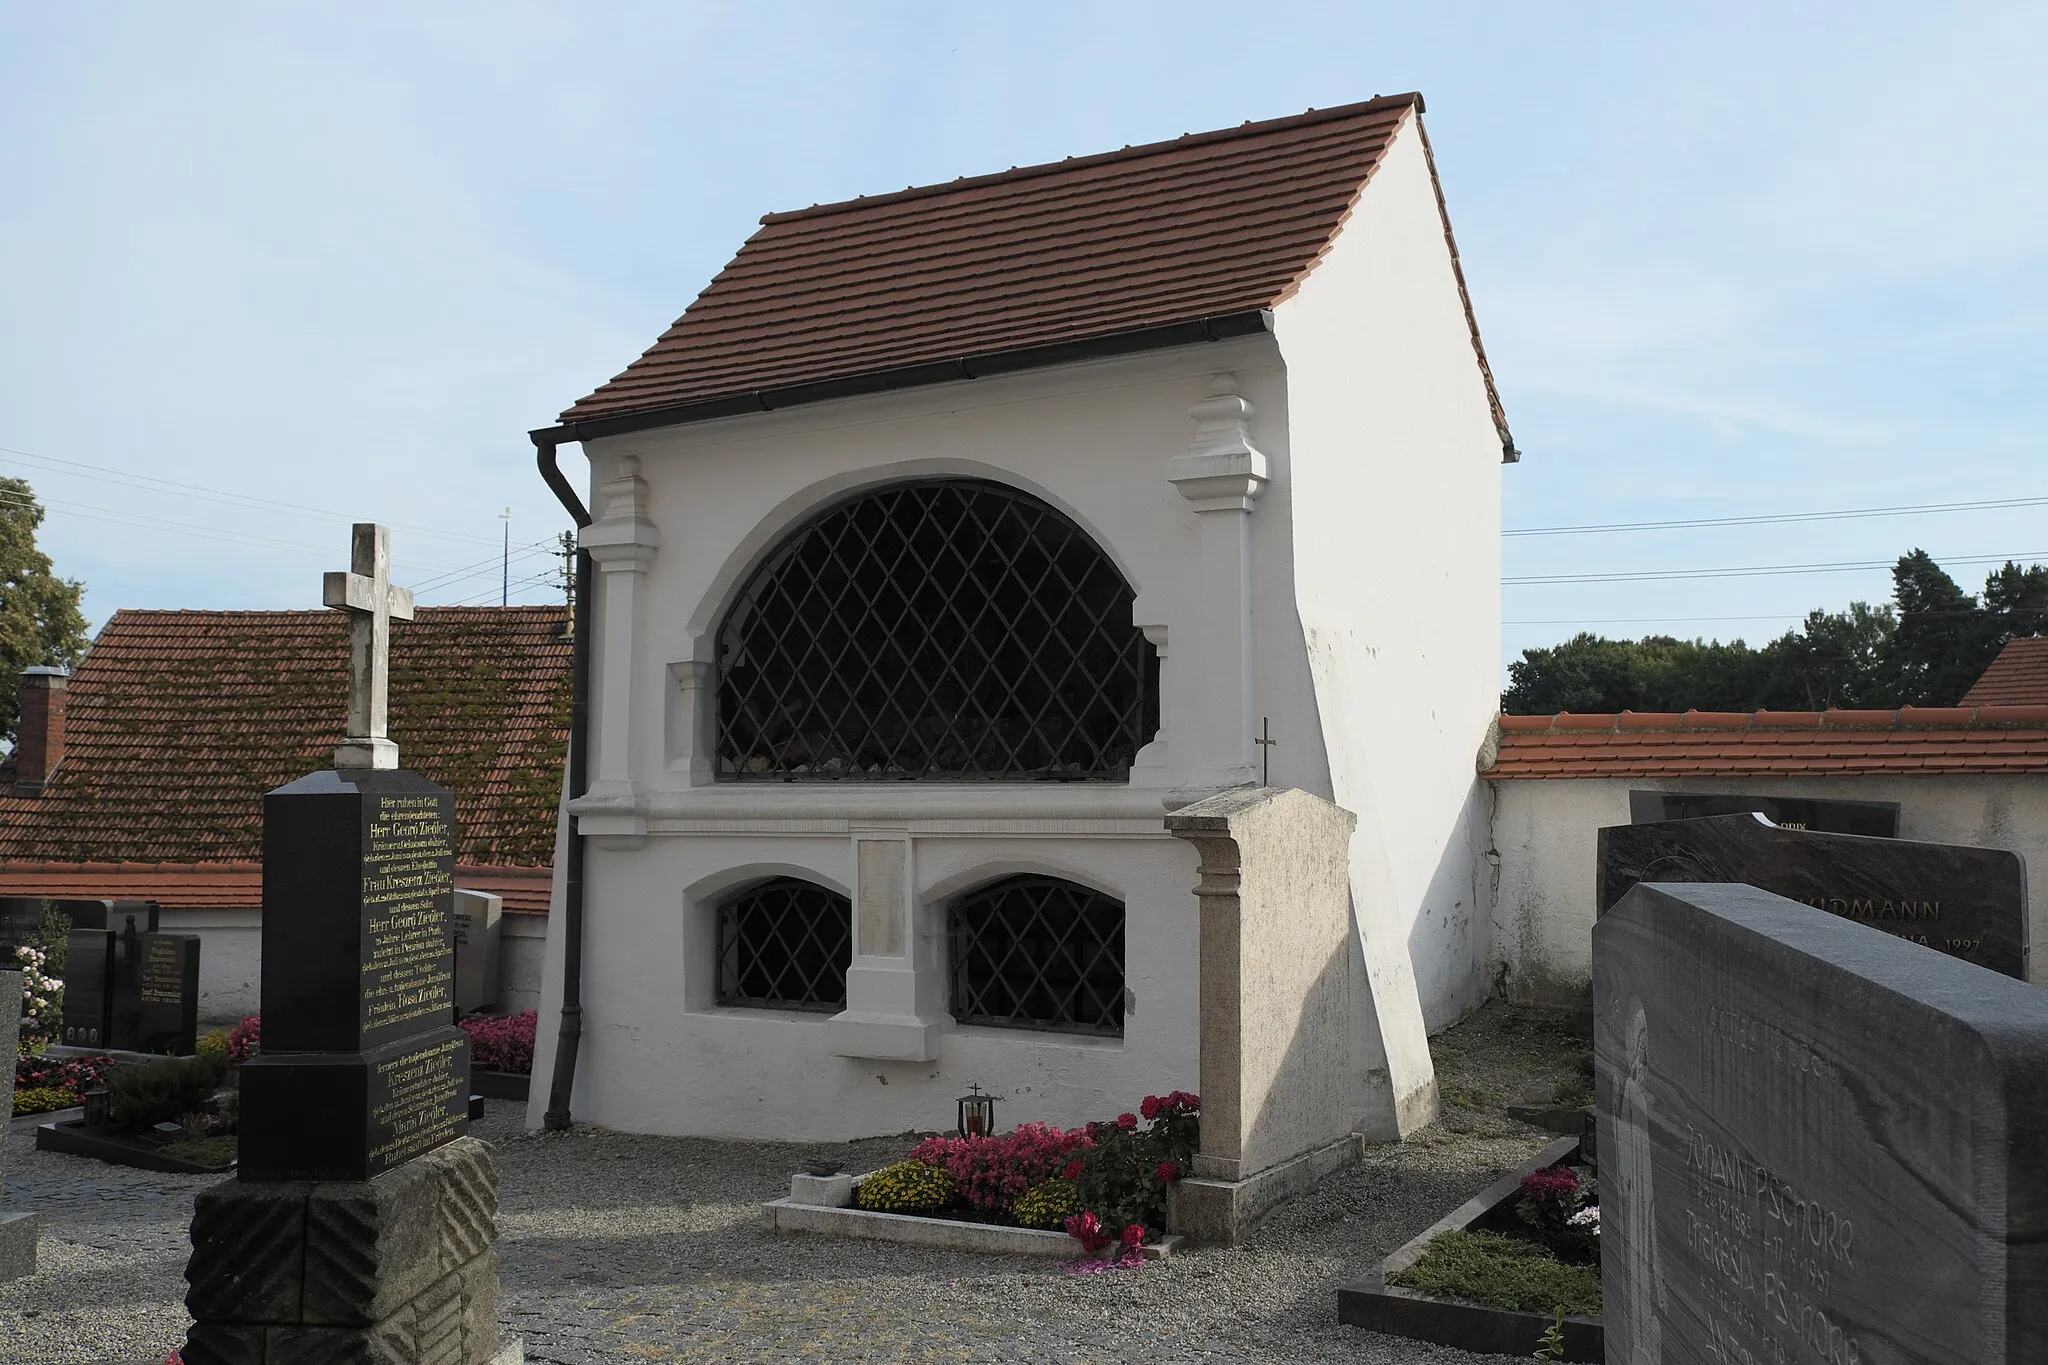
[[1913, 741], [2017, 677], [1158, 245], [177, 722]]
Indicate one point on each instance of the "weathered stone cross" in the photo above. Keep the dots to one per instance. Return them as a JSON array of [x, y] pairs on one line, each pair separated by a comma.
[[371, 599]]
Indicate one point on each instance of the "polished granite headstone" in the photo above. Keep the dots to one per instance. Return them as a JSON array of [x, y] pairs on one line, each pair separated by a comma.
[[1970, 903], [88, 1019], [20, 918], [361, 1068], [1879, 819], [1816, 1143], [478, 930], [167, 981]]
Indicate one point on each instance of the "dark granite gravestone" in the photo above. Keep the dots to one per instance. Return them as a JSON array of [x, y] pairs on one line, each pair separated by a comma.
[[1970, 903], [167, 977], [1816, 1143], [1879, 819], [20, 918], [361, 1069], [88, 989], [478, 930]]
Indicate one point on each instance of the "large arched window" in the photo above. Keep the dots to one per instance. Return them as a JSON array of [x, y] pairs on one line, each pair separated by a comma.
[[942, 629], [784, 944], [1038, 952]]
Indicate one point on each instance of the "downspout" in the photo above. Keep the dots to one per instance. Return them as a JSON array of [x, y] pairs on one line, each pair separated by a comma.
[[563, 1083]]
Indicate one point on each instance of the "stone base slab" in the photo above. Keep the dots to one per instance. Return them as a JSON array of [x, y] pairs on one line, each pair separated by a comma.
[[786, 1215], [1223, 1211], [17, 1246]]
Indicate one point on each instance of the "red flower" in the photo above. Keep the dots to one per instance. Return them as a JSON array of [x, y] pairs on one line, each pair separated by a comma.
[[1167, 1173], [1127, 1122], [1133, 1236], [1072, 1172], [1086, 1229], [1151, 1107]]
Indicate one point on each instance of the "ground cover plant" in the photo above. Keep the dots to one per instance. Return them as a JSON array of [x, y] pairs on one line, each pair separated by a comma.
[[501, 1044], [1104, 1184], [1547, 1261]]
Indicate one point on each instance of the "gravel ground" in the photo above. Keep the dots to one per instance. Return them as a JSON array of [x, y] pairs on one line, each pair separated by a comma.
[[618, 1248]]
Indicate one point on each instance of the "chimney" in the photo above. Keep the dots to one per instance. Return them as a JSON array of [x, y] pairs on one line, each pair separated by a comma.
[[39, 743]]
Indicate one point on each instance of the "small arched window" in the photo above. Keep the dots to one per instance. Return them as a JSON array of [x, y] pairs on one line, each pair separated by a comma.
[[784, 944], [942, 629], [1038, 952]]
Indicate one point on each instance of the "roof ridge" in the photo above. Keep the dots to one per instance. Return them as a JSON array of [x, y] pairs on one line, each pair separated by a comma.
[[1129, 152], [1834, 718]]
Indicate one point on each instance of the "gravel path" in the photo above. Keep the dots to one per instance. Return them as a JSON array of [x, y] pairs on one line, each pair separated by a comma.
[[618, 1248]]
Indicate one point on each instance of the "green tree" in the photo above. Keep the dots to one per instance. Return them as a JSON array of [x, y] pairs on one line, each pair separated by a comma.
[[1836, 659], [40, 620], [1943, 640]]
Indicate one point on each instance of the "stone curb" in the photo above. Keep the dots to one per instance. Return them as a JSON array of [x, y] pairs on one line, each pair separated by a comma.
[[785, 1215]]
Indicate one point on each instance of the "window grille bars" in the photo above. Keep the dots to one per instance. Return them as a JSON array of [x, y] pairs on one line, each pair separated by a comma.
[[1039, 953], [784, 944], [941, 629]]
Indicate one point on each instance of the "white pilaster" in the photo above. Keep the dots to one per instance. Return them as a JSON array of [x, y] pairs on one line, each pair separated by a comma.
[[689, 718], [622, 543], [1221, 476], [895, 987]]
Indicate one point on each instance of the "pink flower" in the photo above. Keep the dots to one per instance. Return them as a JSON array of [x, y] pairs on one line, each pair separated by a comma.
[[1127, 1122], [1167, 1173]]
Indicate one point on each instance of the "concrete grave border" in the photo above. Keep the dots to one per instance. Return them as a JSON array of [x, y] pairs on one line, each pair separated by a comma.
[[1377, 1306], [794, 1214]]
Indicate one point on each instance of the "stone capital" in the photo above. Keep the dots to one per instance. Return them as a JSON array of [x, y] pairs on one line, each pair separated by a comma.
[[1222, 471], [625, 537]]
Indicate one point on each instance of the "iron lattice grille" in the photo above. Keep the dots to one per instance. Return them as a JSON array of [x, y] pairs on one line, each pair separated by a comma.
[[1037, 952], [785, 944], [950, 629]]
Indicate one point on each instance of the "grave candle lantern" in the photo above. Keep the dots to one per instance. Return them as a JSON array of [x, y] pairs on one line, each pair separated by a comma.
[[977, 1113], [96, 1100]]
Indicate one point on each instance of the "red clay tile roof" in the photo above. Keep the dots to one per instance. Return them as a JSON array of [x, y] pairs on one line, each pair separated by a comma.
[[1206, 226], [228, 886], [178, 721], [1918, 741], [2017, 677]]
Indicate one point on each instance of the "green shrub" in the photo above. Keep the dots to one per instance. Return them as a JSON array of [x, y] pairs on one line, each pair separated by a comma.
[[906, 1187], [43, 1099], [1046, 1205], [208, 1151], [164, 1090], [1495, 1270]]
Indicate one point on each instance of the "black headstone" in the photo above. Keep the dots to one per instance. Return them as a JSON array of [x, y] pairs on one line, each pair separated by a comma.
[[88, 989], [127, 984], [1879, 819], [168, 977], [86, 914], [1816, 1144], [360, 1068], [1970, 903], [20, 918]]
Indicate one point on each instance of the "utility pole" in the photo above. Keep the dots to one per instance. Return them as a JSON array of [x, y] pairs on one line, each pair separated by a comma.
[[505, 565]]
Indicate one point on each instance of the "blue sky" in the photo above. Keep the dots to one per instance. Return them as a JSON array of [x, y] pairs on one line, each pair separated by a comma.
[[1741, 260]]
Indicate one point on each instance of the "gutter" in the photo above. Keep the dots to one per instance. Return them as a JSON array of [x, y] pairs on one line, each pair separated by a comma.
[[1218, 328], [563, 1083]]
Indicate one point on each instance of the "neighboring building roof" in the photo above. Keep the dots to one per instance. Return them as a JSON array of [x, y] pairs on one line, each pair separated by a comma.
[[2017, 677], [177, 722], [1914, 741], [230, 886], [1163, 244]]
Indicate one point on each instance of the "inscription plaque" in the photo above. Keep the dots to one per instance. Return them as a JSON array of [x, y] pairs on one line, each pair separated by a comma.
[[167, 973], [1970, 903], [1816, 1144]]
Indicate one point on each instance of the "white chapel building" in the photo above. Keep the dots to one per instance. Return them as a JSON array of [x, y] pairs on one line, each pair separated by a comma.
[[951, 540]]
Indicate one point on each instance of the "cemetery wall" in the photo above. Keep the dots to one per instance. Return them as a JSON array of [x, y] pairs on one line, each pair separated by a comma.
[[1545, 835], [698, 506], [1395, 501]]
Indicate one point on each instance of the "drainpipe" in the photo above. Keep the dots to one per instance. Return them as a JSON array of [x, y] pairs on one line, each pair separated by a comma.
[[563, 1082]]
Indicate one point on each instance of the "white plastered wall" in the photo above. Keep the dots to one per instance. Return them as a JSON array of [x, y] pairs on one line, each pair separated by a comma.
[[1546, 835], [1395, 507], [230, 959]]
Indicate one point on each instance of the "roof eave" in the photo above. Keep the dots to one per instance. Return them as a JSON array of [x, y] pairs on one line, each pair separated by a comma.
[[1220, 327]]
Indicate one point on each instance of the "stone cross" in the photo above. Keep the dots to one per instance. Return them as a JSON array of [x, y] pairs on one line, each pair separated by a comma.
[[371, 599]]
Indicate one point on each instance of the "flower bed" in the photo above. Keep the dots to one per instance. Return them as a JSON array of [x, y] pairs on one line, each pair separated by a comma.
[[1103, 1186], [43, 1085], [1517, 1261]]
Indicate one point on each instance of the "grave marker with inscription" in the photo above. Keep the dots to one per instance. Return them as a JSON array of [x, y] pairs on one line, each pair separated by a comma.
[[379, 1247], [1970, 903], [478, 930], [88, 989], [1816, 1143], [167, 982]]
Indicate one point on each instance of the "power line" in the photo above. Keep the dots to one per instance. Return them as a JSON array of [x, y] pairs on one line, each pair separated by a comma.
[[151, 483], [1771, 518], [1747, 571]]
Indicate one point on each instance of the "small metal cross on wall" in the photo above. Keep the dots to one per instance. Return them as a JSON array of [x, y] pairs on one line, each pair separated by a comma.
[[1264, 739], [371, 600]]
